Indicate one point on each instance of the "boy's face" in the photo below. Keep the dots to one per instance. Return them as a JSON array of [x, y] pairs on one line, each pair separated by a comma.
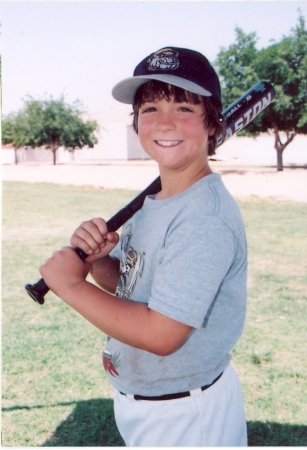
[[174, 134]]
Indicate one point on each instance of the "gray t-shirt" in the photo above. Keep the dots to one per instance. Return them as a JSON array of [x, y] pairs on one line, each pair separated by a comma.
[[186, 257]]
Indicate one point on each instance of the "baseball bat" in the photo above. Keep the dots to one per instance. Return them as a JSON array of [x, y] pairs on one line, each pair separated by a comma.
[[237, 116]]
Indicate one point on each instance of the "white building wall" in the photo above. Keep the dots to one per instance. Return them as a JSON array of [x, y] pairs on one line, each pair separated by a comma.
[[7, 156], [260, 151], [112, 135], [134, 148], [112, 145]]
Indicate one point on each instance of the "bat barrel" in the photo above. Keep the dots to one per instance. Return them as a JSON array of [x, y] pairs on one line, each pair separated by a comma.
[[244, 110]]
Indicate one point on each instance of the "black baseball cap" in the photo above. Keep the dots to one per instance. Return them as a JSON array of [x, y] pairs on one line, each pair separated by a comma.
[[181, 67]]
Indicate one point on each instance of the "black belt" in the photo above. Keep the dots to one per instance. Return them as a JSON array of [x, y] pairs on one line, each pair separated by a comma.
[[173, 396]]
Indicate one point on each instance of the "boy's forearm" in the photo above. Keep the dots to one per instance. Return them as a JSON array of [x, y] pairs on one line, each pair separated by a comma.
[[106, 273], [130, 322]]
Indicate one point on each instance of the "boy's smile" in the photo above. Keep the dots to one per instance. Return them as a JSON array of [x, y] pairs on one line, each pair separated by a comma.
[[168, 143]]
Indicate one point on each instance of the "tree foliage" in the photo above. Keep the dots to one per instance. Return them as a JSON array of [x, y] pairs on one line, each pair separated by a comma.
[[50, 124], [16, 131], [283, 64]]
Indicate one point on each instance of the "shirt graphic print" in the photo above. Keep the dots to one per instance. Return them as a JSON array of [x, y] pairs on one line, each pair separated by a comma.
[[131, 267]]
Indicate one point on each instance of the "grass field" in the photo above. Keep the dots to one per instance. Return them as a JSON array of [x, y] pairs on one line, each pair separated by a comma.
[[54, 389]]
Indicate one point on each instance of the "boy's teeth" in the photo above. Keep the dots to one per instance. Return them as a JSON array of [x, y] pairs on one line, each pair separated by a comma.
[[168, 143]]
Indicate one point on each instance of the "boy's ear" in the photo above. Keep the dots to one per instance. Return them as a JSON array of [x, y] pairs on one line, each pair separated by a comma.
[[211, 131]]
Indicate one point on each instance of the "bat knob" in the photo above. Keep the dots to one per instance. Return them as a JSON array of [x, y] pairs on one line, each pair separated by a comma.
[[37, 291]]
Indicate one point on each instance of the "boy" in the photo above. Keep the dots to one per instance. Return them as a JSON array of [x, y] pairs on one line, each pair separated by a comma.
[[178, 272]]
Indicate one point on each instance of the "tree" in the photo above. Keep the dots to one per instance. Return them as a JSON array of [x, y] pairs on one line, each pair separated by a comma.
[[235, 66], [57, 124], [77, 133], [51, 124], [7, 130], [283, 64], [15, 131]]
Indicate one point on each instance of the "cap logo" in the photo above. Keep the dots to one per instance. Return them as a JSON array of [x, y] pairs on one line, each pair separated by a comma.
[[165, 59]]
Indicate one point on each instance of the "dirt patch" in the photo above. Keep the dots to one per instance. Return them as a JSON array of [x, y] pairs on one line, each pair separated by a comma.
[[290, 184]]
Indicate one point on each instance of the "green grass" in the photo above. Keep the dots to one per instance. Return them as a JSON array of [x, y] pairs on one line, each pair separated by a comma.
[[271, 356], [54, 389]]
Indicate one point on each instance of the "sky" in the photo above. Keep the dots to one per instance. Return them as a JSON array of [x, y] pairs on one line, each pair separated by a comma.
[[81, 49]]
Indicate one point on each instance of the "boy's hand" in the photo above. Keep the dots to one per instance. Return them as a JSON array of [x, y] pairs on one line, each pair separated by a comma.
[[94, 239], [64, 270]]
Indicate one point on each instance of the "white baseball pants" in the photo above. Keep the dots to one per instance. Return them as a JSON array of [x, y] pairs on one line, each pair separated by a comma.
[[213, 417]]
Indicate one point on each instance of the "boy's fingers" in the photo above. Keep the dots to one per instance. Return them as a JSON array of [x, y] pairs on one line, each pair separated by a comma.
[[113, 237], [97, 228], [90, 236], [101, 225], [92, 241], [104, 249]]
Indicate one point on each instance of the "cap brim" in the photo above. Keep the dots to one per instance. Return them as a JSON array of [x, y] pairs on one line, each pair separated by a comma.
[[125, 90]]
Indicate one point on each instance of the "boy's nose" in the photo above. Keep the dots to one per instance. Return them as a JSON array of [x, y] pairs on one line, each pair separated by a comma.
[[166, 121]]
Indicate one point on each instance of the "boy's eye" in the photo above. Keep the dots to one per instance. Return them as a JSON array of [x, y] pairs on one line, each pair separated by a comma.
[[149, 109], [185, 109]]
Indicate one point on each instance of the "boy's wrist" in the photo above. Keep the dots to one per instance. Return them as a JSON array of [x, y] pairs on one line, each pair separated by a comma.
[[73, 292]]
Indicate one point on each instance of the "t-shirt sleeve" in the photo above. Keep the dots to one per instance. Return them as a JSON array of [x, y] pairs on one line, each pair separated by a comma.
[[193, 264]]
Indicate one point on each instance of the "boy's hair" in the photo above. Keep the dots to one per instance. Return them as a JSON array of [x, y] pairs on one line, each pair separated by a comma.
[[155, 90]]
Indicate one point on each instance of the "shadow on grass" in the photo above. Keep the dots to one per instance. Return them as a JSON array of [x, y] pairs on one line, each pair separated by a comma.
[[92, 424], [272, 434]]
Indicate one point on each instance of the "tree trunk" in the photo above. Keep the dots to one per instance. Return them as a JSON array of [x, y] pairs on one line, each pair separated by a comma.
[[54, 149], [280, 165], [280, 147], [16, 155]]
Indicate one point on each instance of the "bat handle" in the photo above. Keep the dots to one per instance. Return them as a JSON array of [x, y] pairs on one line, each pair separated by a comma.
[[39, 289]]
